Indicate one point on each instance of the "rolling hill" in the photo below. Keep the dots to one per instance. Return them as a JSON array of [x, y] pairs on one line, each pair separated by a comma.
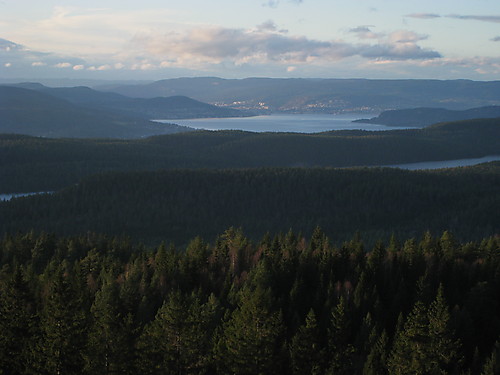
[[173, 107], [30, 112], [322, 95], [420, 117], [36, 164]]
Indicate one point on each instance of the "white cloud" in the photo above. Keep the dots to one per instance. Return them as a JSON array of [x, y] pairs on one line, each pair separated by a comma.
[[63, 65], [87, 32], [79, 67], [423, 15], [38, 63], [365, 32], [202, 46], [484, 18], [405, 36], [7, 65]]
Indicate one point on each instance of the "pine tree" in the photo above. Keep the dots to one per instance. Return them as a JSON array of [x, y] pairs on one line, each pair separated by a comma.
[[110, 337], [305, 348], [492, 364], [178, 341], [251, 343], [411, 346], [376, 361], [19, 326], [425, 345], [63, 328], [443, 348], [339, 347]]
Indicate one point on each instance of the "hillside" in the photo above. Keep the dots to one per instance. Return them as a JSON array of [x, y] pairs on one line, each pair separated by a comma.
[[173, 107], [420, 117], [180, 204], [25, 111], [322, 95], [36, 164]]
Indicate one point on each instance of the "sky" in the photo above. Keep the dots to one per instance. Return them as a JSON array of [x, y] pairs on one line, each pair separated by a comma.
[[158, 39]]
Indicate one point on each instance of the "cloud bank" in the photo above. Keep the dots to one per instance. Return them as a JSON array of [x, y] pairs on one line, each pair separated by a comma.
[[264, 45], [495, 19], [483, 18]]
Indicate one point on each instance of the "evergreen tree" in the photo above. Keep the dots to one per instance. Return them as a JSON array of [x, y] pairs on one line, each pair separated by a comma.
[[251, 343], [178, 340], [110, 337], [376, 362], [19, 326], [444, 349], [339, 347], [63, 328], [492, 364], [410, 351], [305, 348], [425, 345]]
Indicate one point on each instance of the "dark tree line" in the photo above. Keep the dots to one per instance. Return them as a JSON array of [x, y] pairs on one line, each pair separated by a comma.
[[180, 204], [283, 305], [40, 164]]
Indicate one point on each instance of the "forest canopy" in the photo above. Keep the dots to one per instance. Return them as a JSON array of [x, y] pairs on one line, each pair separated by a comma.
[[92, 304], [176, 205]]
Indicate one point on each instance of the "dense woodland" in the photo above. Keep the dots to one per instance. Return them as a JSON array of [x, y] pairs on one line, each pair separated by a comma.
[[40, 164], [130, 268], [176, 205], [281, 305]]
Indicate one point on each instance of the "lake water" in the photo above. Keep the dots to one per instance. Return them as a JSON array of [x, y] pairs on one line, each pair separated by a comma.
[[8, 197], [297, 123], [446, 163]]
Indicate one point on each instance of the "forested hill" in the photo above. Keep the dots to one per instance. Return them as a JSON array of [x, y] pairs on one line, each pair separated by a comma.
[[171, 107], [30, 112], [36, 164], [420, 117], [324, 95], [179, 204]]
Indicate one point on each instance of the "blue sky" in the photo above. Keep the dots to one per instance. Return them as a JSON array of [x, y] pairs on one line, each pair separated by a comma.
[[153, 39]]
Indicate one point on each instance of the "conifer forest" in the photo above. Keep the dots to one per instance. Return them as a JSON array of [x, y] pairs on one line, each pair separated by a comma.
[[238, 253], [285, 304]]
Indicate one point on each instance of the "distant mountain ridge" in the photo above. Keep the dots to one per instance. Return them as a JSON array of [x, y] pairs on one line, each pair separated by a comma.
[[420, 117], [173, 107], [321, 95], [30, 112]]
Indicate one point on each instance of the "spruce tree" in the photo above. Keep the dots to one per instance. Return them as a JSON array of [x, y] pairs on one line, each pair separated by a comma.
[[444, 349], [178, 341], [410, 351], [110, 336], [19, 326], [63, 328], [305, 348], [340, 350], [376, 361], [251, 343], [492, 364]]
